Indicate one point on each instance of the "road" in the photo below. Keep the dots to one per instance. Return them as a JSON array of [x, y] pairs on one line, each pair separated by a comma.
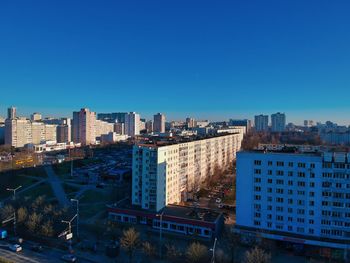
[[56, 186]]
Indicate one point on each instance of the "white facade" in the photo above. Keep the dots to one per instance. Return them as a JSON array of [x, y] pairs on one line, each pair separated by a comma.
[[278, 122], [297, 196], [102, 127], [261, 122], [164, 175], [18, 132], [132, 124], [84, 127]]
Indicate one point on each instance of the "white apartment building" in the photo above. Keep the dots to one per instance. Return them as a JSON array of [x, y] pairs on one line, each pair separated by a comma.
[[18, 132], [159, 123], [84, 127], [295, 196], [102, 127], [261, 122], [132, 124], [165, 173], [278, 122]]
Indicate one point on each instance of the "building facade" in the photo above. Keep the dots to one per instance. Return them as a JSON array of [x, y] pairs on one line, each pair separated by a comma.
[[261, 122], [18, 132], [159, 123], [132, 124], [295, 196], [84, 127], [278, 122], [166, 174]]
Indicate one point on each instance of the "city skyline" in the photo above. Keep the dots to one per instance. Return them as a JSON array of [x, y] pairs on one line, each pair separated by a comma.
[[219, 60]]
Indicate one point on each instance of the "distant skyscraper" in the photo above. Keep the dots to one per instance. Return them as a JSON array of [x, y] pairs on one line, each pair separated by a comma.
[[132, 124], [149, 126], [261, 122], [84, 127], [36, 116], [278, 122], [159, 122], [12, 113]]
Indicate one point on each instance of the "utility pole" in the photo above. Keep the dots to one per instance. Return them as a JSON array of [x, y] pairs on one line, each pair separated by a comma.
[[14, 191], [69, 230], [77, 201], [160, 233], [213, 250]]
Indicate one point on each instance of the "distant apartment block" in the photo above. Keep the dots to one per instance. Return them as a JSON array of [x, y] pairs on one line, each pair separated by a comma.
[[83, 130], [278, 122], [119, 128], [261, 122], [112, 117], [166, 172], [102, 127], [159, 123], [190, 122], [11, 113], [132, 124], [36, 116], [245, 123], [295, 194]]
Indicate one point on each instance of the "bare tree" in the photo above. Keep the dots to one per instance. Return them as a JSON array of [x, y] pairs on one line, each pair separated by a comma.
[[33, 221], [197, 253], [22, 214], [148, 249], [130, 241], [172, 253], [257, 255], [47, 229]]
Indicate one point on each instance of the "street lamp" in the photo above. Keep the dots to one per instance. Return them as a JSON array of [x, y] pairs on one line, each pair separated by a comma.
[[160, 233], [213, 250], [77, 201], [69, 230], [14, 191]]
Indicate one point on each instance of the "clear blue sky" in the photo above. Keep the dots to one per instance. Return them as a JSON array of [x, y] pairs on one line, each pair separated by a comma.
[[214, 59]]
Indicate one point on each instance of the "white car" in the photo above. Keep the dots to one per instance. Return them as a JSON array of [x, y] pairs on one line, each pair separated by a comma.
[[15, 248], [69, 258], [218, 200]]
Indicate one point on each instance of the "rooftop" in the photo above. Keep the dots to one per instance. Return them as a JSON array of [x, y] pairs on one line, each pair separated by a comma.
[[157, 141]]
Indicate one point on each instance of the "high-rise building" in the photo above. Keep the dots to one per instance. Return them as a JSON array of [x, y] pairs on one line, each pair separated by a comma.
[[119, 128], [190, 122], [12, 113], [166, 173], [245, 123], [149, 126], [159, 123], [18, 132], [38, 132], [63, 133], [278, 122], [261, 122], [132, 124], [294, 195], [36, 116], [84, 127]]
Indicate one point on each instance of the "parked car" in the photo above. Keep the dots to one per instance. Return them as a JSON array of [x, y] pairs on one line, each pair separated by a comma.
[[218, 200], [69, 258], [15, 248], [220, 206]]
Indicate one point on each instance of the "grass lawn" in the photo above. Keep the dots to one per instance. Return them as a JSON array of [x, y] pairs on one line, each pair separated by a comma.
[[91, 210], [42, 189], [9, 180], [62, 169], [70, 189], [92, 196]]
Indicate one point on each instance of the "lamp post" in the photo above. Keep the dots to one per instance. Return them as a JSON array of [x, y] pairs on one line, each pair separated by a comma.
[[77, 201], [213, 250], [14, 191], [160, 233], [69, 230]]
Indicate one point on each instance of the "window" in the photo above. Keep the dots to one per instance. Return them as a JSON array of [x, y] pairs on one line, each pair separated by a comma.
[[257, 162]]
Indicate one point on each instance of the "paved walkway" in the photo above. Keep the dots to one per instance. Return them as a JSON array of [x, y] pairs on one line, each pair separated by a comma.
[[56, 186]]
